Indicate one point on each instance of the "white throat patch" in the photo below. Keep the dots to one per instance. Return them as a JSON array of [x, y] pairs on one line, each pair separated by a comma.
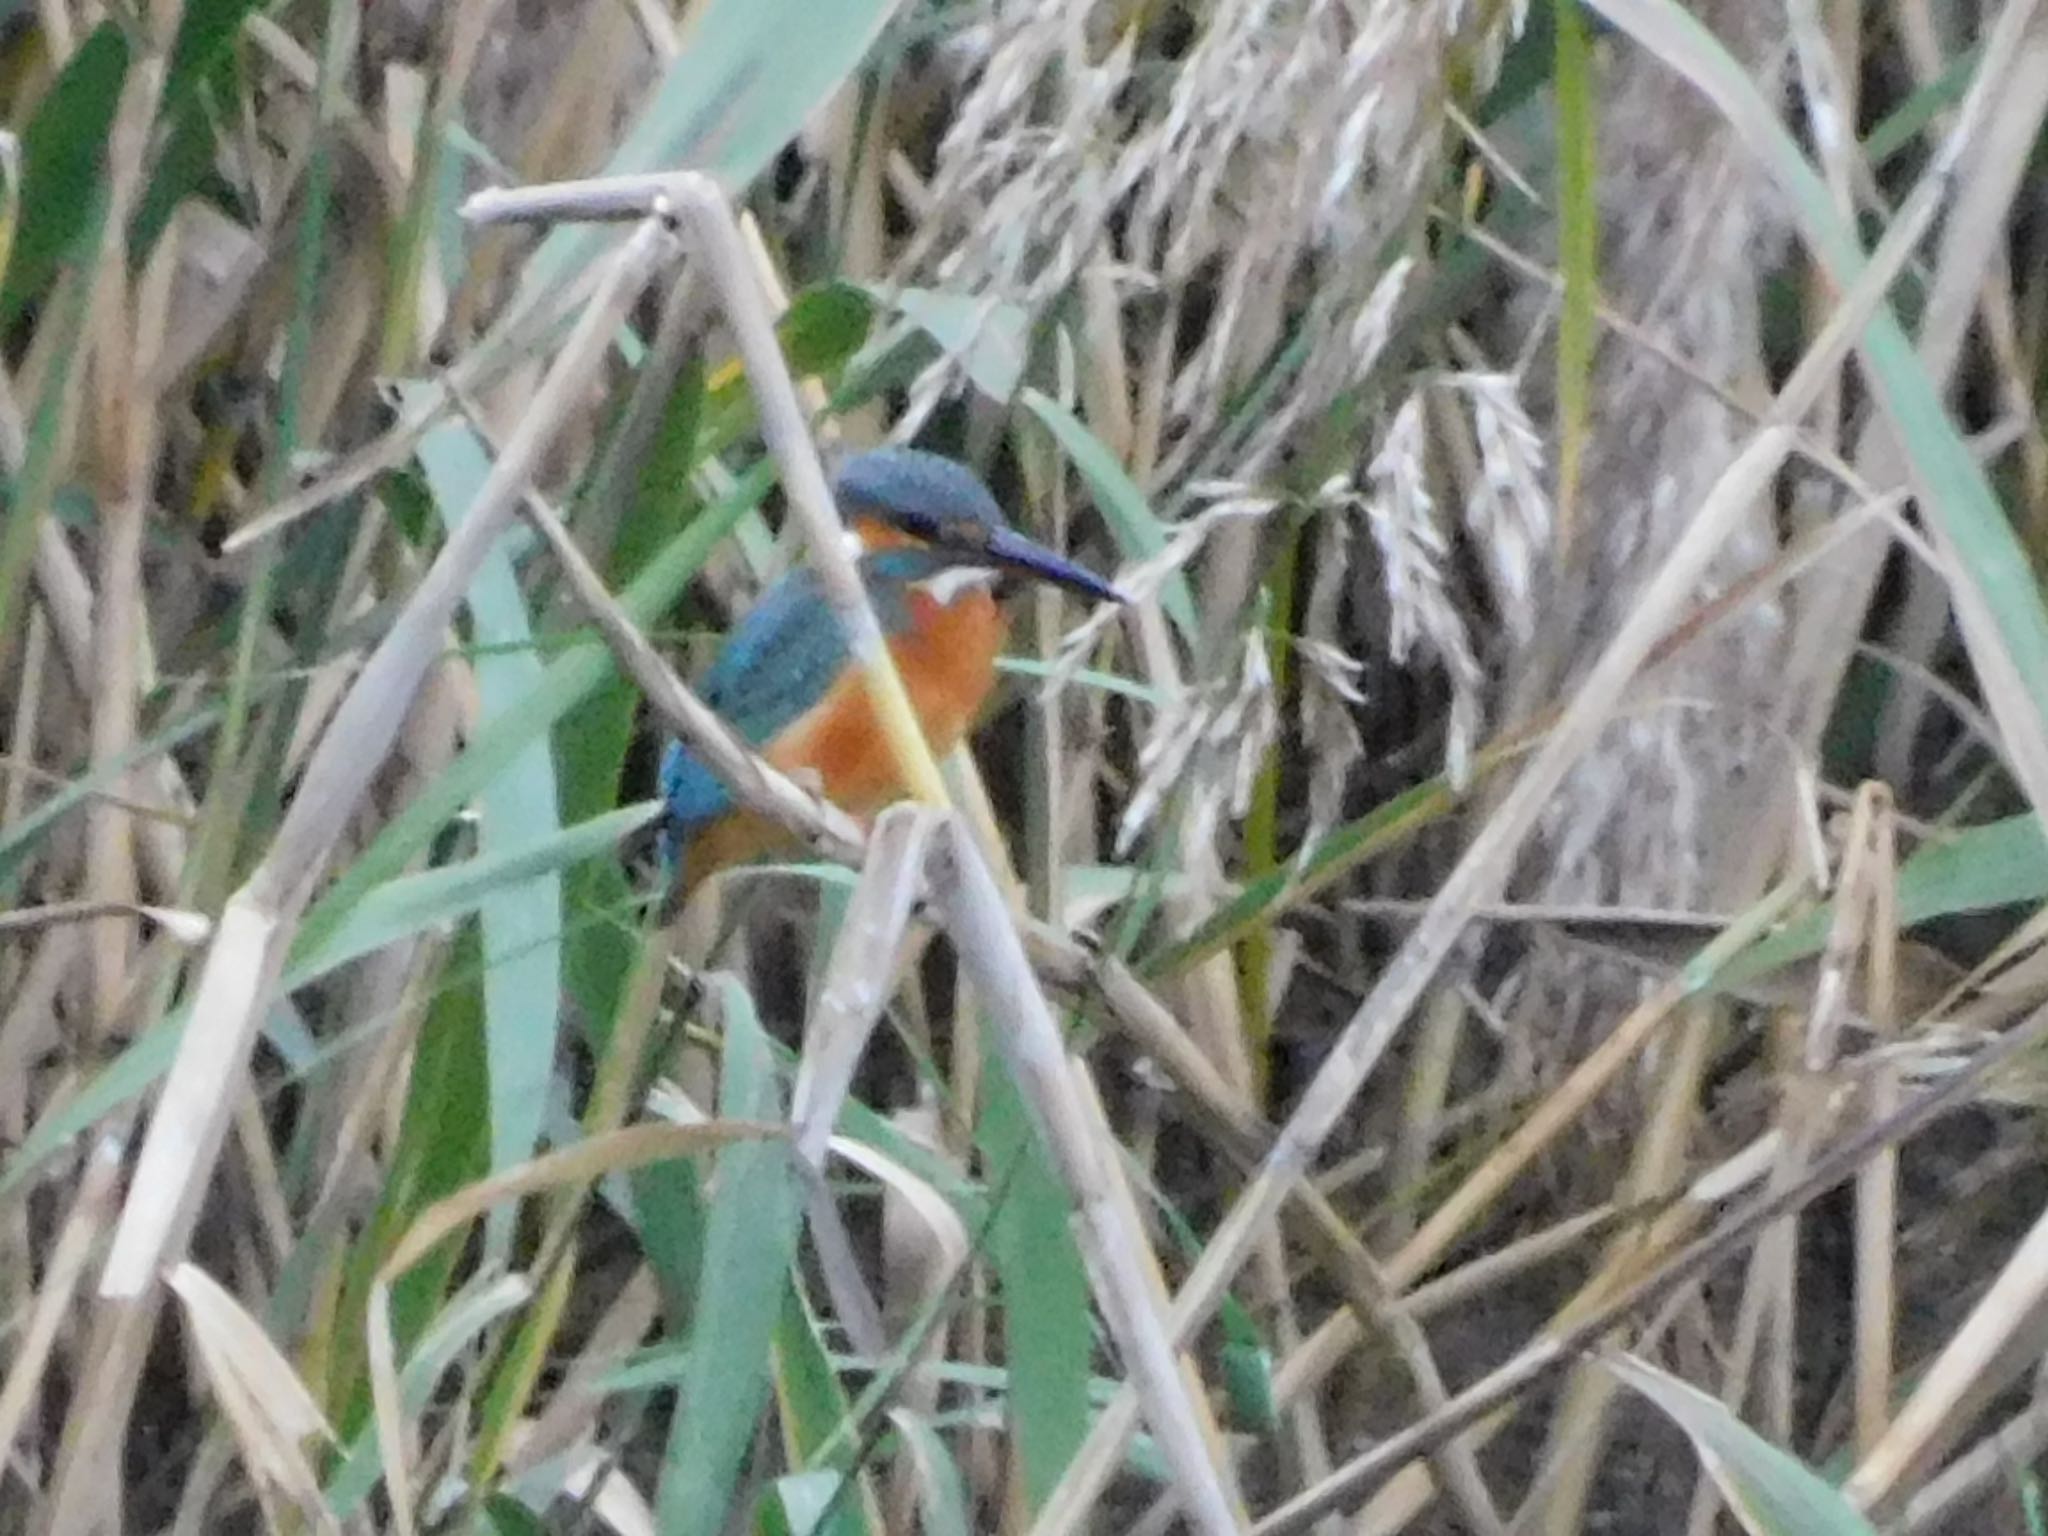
[[955, 582]]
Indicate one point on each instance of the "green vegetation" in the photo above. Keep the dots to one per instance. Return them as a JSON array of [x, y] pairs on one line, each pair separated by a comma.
[[1501, 993]]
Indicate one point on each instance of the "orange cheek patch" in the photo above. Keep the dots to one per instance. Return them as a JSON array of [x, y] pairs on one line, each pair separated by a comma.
[[877, 535]]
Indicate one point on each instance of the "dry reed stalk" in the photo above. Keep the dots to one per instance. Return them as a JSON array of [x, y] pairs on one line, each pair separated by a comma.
[[2018, 1442], [1547, 1355], [1478, 878], [28, 1024], [1925, 606], [81, 1491], [1561, 1109], [859, 979], [1877, 1191], [266, 1405], [1988, 179], [860, 976], [1977, 1357], [1563, 1106], [1482, 872], [1562, 1481], [257, 926], [1372, 1295], [127, 329], [1806, 1108], [26, 727], [1828, 77], [66, 609], [1124, 1222], [1576, 1438], [1636, 1254], [91, 1210], [1490, 1271], [67, 600]]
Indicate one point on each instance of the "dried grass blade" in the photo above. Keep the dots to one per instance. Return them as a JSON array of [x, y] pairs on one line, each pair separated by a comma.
[[614, 1152], [268, 1406], [394, 1444]]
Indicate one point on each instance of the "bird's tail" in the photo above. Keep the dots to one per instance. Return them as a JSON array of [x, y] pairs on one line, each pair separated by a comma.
[[676, 869]]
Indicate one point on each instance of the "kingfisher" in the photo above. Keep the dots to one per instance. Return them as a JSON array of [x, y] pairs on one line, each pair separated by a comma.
[[934, 551]]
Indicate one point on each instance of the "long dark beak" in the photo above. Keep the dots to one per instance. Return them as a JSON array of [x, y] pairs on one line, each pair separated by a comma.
[[1009, 550]]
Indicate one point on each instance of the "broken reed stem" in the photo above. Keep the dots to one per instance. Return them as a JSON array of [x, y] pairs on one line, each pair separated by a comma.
[[859, 977], [261, 918], [596, 199], [992, 956]]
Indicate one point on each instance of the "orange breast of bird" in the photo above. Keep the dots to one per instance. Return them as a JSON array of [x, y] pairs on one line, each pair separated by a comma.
[[946, 655]]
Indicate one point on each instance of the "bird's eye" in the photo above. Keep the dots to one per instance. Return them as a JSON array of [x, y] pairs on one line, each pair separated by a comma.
[[967, 533]]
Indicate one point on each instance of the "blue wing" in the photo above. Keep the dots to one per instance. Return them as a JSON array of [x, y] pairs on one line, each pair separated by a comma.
[[774, 666], [781, 659]]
